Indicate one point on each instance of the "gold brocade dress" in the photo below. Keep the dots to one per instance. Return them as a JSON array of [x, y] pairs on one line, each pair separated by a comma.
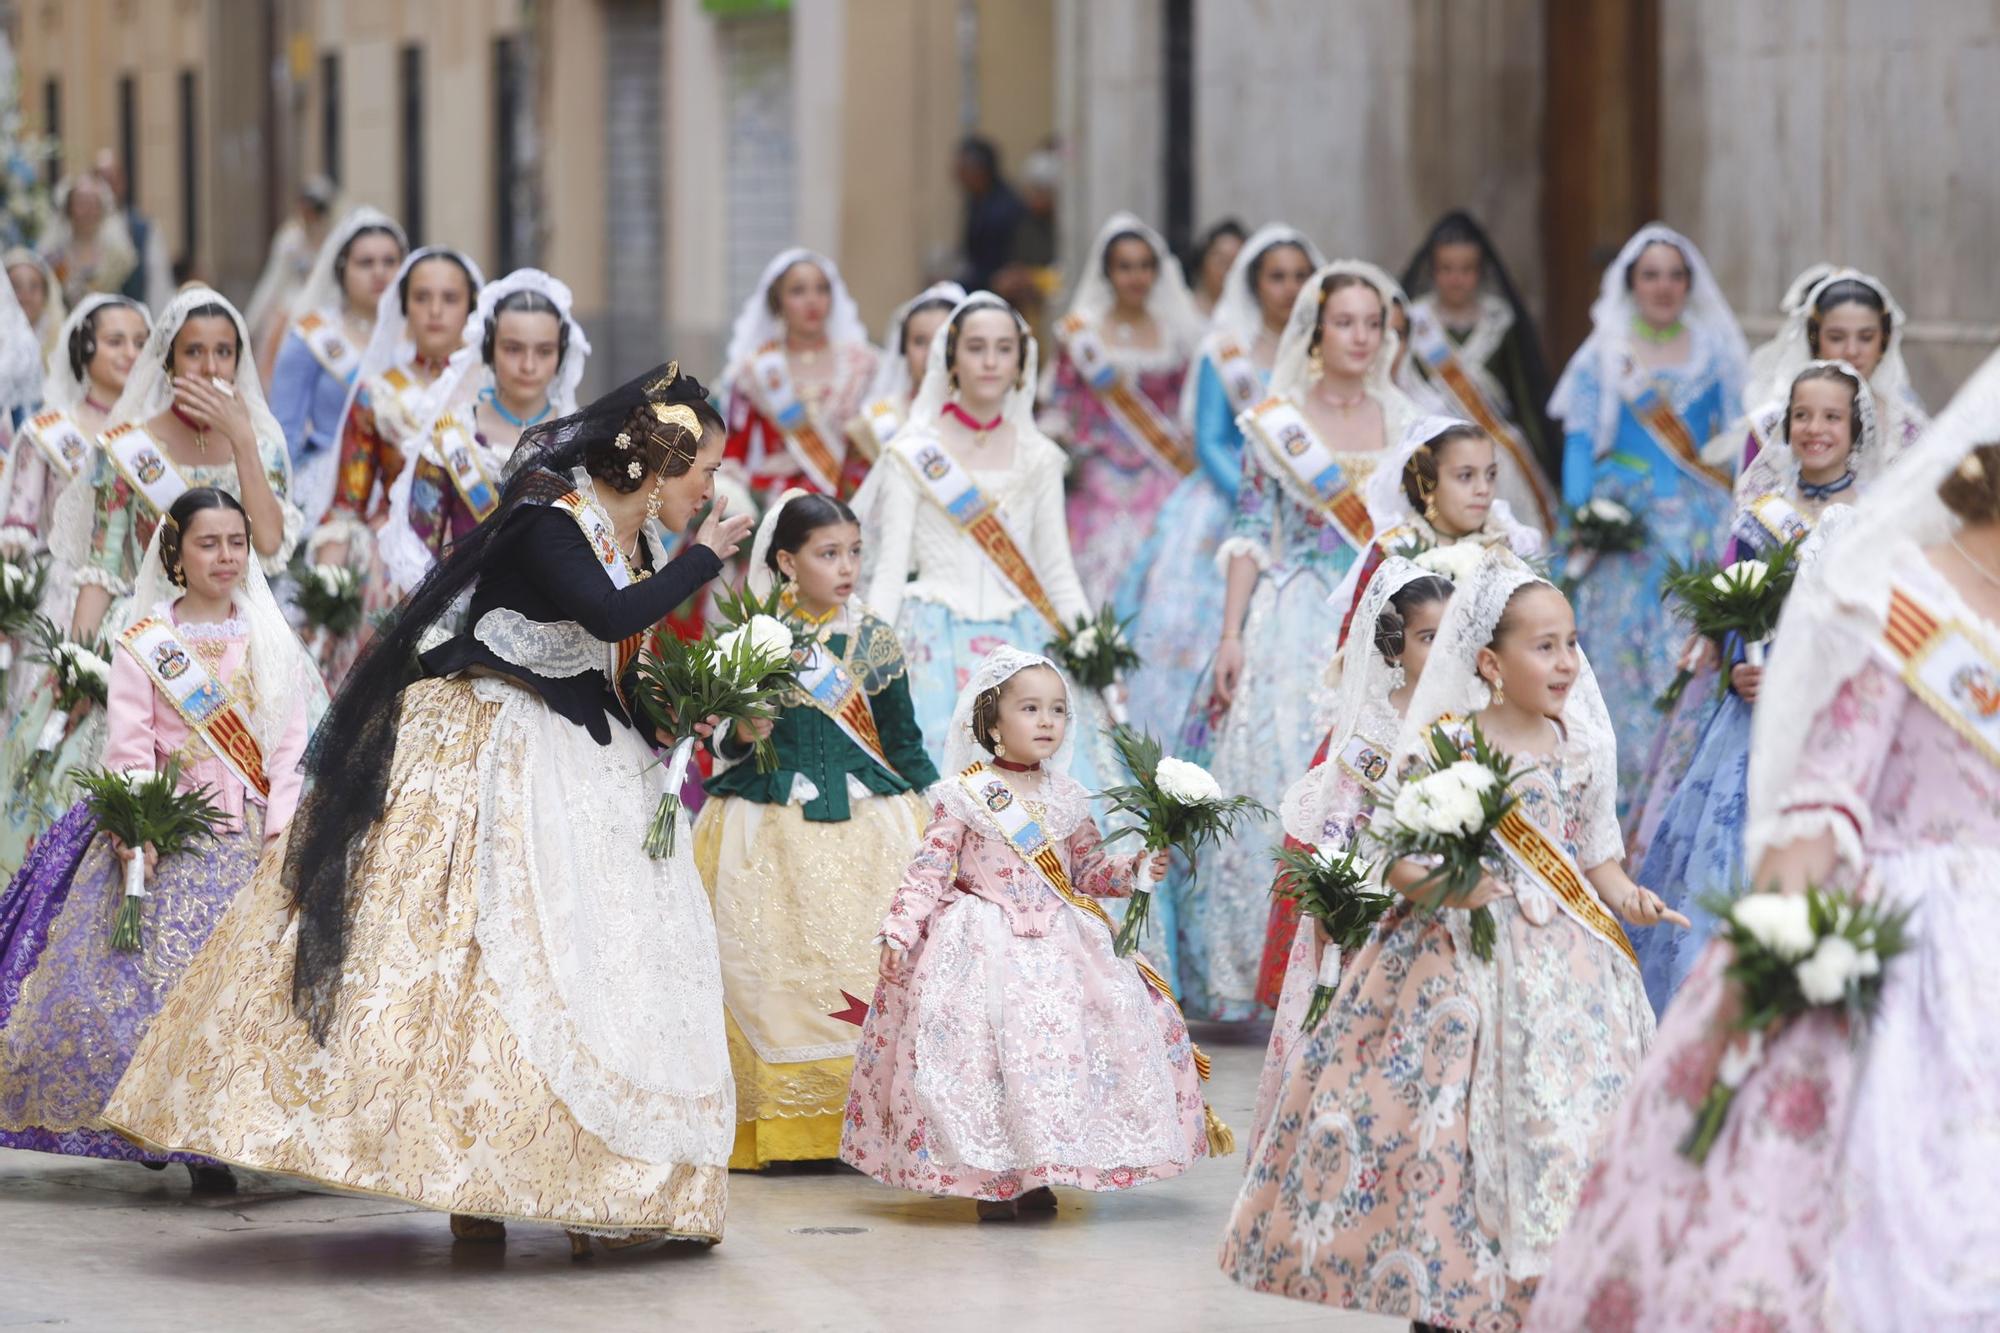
[[799, 863]]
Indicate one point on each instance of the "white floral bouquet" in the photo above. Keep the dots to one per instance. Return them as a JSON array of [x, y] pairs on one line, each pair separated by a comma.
[[1601, 527], [1331, 887], [330, 599], [79, 680], [1094, 650], [147, 809], [1450, 815], [1744, 598], [1177, 804], [1793, 954], [741, 675], [1456, 563], [21, 585]]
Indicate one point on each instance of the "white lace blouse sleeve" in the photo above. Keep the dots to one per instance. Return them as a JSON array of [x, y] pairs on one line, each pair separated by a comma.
[[1054, 561]]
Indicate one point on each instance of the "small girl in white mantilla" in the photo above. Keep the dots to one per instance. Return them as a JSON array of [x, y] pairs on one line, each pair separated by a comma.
[[1045, 1058]]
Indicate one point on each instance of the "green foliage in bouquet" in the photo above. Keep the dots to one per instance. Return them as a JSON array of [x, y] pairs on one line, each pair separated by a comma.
[[142, 810], [1744, 599], [1332, 889], [1095, 650]]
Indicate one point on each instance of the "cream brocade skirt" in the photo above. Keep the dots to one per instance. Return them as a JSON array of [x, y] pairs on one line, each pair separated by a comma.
[[798, 904], [456, 1077]]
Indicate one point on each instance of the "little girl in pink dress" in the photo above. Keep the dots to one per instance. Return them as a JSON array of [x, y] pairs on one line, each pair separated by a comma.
[[1008, 1048]]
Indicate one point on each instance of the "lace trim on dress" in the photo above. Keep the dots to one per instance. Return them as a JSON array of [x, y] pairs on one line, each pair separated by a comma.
[[1064, 802], [554, 649]]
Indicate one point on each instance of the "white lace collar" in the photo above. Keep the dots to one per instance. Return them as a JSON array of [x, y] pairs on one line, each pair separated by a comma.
[[233, 628]]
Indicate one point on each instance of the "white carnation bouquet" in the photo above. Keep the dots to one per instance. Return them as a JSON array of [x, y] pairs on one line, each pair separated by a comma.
[[1332, 887], [1792, 954], [1450, 815], [1176, 804], [21, 585], [1601, 527], [79, 680], [1743, 599], [1094, 650], [329, 599], [740, 675], [1456, 563]]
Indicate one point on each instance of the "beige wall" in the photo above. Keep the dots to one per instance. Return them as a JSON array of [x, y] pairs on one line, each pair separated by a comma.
[[1843, 130]]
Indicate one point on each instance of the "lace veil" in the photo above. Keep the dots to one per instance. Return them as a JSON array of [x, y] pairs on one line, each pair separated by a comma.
[[279, 664], [1169, 303], [1365, 682], [1237, 314], [1775, 468], [321, 289], [962, 749], [1607, 351], [1837, 611], [54, 311], [1419, 279], [759, 580], [892, 371], [20, 355], [756, 326], [1291, 374], [1791, 351], [60, 385]]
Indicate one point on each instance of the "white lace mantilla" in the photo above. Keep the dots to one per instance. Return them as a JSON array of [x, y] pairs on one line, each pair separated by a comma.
[[554, 649]]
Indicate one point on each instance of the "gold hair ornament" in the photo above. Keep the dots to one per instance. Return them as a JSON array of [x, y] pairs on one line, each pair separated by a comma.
[[1971, 468]]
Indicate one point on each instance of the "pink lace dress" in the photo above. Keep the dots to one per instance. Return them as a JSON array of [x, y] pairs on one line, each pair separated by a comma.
[[1856, 1186], [1020, 1052]]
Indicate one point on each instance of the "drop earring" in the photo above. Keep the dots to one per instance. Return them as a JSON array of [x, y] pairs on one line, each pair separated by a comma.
[[653, 499], [999, 748], [1499, 694], [1431, 506], [1398, 677], [1316, 363]]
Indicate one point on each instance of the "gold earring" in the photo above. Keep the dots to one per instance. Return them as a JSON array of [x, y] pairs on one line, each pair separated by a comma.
[[1499, 694], [1431, 506], [653, 499], [999, 747], [1316, 363]]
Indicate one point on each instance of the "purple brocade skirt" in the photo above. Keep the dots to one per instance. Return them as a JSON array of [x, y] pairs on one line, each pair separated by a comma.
[[71, 1008]]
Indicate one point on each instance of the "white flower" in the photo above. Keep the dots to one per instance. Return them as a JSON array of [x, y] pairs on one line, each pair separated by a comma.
[[1745, 574], [1823, 977], [15, 579], [1085, 641], [1738, 1061], [1189, 784], [1608, 511], [1473, 776], [334, 580], [83, 662], [1778, 921], [1457, 563], [1445, 803], [635, 469], [768, 639]]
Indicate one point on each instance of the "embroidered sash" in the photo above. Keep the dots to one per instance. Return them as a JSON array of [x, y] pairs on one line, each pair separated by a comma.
[[1654, 409], [60, 440], [1238, 374], [1022, 832], [397, 399], [1428, 338], [1545, 863], [144, 465], [1364, 761], [597, 531], [1951, 667], [1290, 442], [780, 401], [1770, 521], [200, 699], [458, 453], [875, 427], [328, 342], [1137, 417], [833, 690], [952, 489]]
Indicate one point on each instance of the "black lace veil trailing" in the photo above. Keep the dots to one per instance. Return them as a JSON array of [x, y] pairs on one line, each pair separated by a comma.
[[1461, 228], [347, 765]]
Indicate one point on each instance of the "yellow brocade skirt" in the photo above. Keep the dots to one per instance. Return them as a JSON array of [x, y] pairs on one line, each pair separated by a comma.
[[422, 1091], [798, 905]]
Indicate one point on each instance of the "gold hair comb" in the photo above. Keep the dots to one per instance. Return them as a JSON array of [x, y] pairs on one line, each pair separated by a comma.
[[678, 414], [665, 382]]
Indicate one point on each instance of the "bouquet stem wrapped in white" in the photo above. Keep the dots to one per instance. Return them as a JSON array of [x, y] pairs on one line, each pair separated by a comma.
[[147, 810], [1743, 599], [1793, 954], [1177, 804]]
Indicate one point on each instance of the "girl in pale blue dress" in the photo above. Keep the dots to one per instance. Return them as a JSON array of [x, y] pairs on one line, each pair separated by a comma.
[[1173, 591], [1256, 716], [1660, 374], [1825, 449]]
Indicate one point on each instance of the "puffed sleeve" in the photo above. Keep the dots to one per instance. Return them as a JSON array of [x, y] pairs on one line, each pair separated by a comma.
[[1579, 479], [894, 538], [926, 880], [1096, 872], [291, 392], [1599, 836], [1253, 531], [1055, 564], [131, 742], [1833, 790], [1218, 444]]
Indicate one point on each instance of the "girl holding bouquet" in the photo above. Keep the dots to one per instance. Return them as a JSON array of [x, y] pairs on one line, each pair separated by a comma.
[[1329, 807], [1009, 1049], [799, 859], [1432, 1136], [1849, 1187], [1823, 455], [461, 981], [213, 678]]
